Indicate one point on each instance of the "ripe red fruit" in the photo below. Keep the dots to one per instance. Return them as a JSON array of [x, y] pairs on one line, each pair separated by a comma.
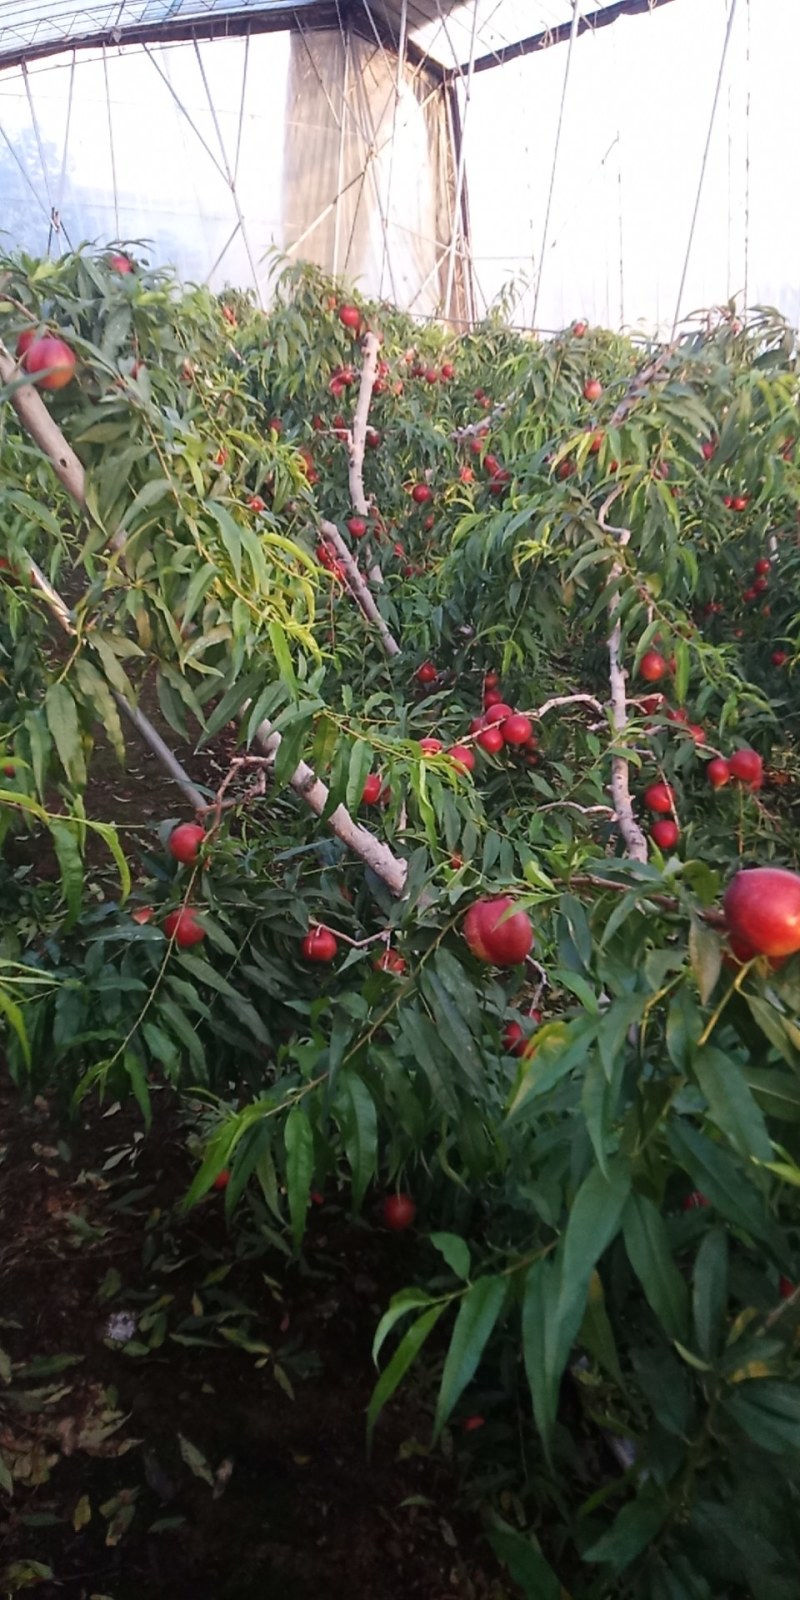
[[142, 914], [718, 772], [786, 1288], [275, 425], [373, 790], [421, 493], [652, 666], [390, 961], [779, 658], [255, 503], [431, 375], [579, 329], [184, 842], [319, 946], [185, 928], [121, 263], [694, 1201], [740, 502], [357, 527], [679, 715], [517, 729], [565, 469], [491, 739], [515, 1040], [492, 697], [49, 353], [651, 703], [659, 798], [431, 747], [495, 937], [697, 732], [597, 440], [708, 449], [762, 907], [427, 673], [747, 766], [25, 340], [462, 757], [592, 389], [471, 1424], [760, 585], [497, 710], [350, 317], [448, 370], [222, 1179], [748, 595], [665, 834], [491, 680], [399, 1212], [762, 566]]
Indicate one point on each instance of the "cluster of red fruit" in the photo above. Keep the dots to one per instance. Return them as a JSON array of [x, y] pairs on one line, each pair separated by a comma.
[[760, 582], [500, 725]]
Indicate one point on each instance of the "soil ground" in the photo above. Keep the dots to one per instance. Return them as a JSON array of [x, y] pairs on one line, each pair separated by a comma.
[[214, 1446]]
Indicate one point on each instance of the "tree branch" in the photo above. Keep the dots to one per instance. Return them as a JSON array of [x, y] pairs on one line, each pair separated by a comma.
[[357, 585], [635, 841], [373, 852], [358, 437]]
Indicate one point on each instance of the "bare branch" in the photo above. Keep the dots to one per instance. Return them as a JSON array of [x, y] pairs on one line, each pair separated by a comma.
[[373, 852], [566, 700], [358, 438], [357, 585], [635, 842]]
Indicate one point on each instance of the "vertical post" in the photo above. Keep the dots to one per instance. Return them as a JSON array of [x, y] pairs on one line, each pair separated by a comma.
[[460, 170], [573, 32]]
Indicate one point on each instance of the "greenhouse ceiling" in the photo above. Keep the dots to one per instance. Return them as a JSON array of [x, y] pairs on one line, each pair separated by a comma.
[[448, 35]]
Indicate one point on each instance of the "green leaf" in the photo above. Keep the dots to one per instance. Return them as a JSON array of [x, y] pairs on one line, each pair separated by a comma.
[[138, 1082], [11, 1011], [478, 1313], [299, 1142], [634, 1527], [724, 1182], [358, 1120], [62, 720], [769, 1412], [65, 844], [399, 1306], [360, 764], [455, 1251], [406, 1352], [705, 954], [649, 1254], [282, 653], [710, 1291], [157, 489], [596, 1332], [731, 1104], [453, 1030], [526, 1565]]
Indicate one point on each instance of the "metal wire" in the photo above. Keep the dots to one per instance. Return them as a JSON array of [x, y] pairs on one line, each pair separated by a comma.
[[703, 166], [559, 127], [111, 145]]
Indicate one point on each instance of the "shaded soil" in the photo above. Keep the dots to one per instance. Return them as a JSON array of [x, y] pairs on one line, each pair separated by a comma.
[[261, 1367]]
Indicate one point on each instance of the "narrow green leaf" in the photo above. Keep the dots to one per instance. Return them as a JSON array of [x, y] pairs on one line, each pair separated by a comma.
[[650, 1256], [455, 1251], [731, 1104], [478, 1313], [299, 1142], [710, 1291], [406, 1352], [399, 1306], [62, 720], [634, 1527], [358, 1120]]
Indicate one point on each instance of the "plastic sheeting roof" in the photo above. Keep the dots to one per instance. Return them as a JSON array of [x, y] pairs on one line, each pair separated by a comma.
[[445, 33]]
